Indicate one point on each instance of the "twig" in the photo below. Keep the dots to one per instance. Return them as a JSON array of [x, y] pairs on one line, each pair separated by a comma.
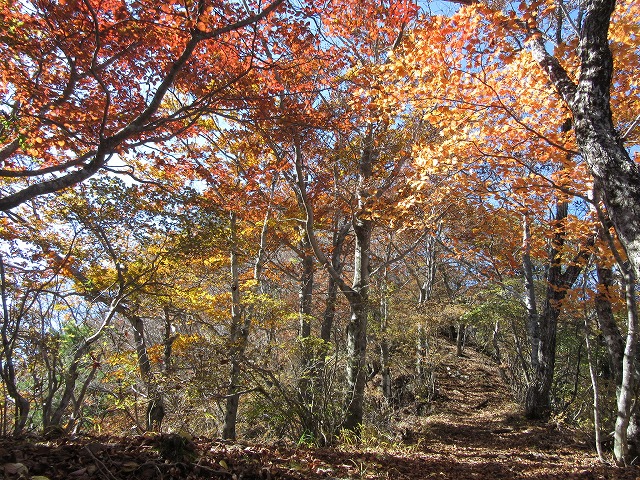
[[633, 125], [212, 471], [101, 466], [155, 464]]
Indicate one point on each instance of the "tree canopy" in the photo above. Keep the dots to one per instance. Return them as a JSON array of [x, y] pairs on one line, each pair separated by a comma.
[[269, 214]]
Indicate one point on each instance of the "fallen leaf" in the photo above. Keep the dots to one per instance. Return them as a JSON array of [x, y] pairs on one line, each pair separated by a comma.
[[15, 469]]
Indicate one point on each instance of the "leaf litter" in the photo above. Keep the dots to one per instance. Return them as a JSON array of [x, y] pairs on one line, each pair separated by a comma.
[[474, 430]]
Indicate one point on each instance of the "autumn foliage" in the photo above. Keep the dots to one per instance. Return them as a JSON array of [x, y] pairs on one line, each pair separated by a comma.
[[260, 219]]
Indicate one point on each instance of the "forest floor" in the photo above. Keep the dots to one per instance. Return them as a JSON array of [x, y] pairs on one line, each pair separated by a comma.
[[474, 430]]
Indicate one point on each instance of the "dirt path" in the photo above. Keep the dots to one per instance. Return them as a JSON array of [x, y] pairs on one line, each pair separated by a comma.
[[479, 430], [476, 430]]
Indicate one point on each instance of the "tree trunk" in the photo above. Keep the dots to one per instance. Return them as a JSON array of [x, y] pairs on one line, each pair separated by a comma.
[[537, 400], [167, 341], [426, 284], [533, 322], [308, 375], [71, 375], [383, 321], [239, 333], [386, 368], [339, 236], [593, 374], [607, 323], [155, 411], [422, 346], [358, 294], [615, 174], [306, 289], [626, 394], [22, 405], [75, 422], [495, 340], [359, 299], [460, 339], [54, 384], [7, 367], [306, 292], [356, 371], [329, 315], [383, 314], [425, 289]]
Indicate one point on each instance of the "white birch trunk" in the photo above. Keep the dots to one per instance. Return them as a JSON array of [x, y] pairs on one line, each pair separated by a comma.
[[626, 394]]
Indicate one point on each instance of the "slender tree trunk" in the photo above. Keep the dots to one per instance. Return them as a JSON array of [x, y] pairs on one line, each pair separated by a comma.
[[262, 249], [359, 299], [356, 371], [72, 373], [308, 374], [385, 360], [329, 315], [607, 323], [597, 424], [495, 340], [339, 236], [22, 406], [54, 384], [460, 338], [533, 321], [616, 348], [626, 394], [306, 289], [239, 328], [7, 367], [425, 289], [421, 351], [238, 338], [537, 401], [75, 422], [167, 341], [155, 411], [356, 355], [622, 355], [521, 358], [383, 313]]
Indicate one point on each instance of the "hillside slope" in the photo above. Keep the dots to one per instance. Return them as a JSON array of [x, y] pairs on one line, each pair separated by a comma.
[[473, 431]]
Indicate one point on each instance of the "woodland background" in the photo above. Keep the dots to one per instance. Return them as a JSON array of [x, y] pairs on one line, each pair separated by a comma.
[[256, 220]]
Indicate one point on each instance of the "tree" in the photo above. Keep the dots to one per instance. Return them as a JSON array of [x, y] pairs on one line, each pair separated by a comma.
[[584, 83], [86, 80], [12, 319], [543, 339], [499, 116], [601, 144]]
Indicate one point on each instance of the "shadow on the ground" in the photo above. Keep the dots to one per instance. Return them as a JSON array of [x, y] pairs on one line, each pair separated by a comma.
[[497, 436], [465, 464]]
